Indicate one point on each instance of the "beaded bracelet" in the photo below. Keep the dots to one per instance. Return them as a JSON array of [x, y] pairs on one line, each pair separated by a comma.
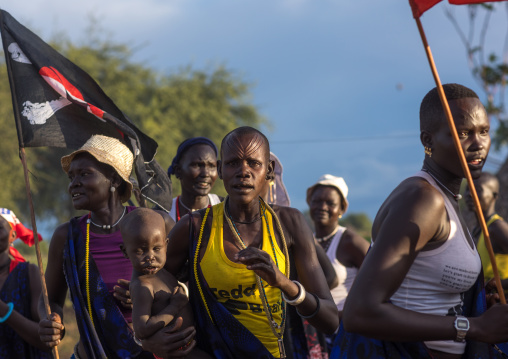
[[9, 312], [315, 312], [299, 298]]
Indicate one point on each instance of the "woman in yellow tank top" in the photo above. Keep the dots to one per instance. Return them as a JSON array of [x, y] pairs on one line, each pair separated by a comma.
[[239, 268]]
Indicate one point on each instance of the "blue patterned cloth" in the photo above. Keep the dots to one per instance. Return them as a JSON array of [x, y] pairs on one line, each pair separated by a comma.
[[349, 345], [109, 336], [16, 289], [225, 337]]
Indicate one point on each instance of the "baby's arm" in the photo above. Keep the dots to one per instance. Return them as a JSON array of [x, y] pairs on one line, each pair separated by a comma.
[[144, 323], [177, 301]]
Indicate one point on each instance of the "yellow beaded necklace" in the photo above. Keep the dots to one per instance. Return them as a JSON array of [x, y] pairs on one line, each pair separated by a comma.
[[87, 266]]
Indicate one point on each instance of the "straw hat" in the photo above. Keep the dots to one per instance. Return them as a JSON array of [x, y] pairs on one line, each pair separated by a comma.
[[332, 181], [110, 151]]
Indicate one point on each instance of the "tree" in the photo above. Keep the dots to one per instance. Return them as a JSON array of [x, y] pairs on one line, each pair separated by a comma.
[[169, 108]]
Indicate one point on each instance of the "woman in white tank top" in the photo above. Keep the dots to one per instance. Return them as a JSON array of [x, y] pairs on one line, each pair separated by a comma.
[[411, 284], [327, 200]]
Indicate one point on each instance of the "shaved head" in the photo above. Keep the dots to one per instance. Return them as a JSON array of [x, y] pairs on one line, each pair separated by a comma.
[[139, 222], [431, 110], [232, 141]]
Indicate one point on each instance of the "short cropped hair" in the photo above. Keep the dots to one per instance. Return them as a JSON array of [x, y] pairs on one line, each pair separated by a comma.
[[246, 130], [431, 109]]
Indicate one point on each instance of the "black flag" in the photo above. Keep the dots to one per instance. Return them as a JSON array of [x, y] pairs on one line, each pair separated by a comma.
[[57, 104]]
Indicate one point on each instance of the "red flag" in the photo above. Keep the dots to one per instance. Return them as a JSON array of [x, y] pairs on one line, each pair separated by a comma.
[[420, 6]]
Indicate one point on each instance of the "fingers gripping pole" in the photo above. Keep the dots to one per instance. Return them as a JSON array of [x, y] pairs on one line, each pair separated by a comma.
[[37, 246], [463, 162]]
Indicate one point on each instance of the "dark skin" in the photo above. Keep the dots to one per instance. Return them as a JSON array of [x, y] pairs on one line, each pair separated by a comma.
[[156, 295], [326, 207], [487, 189], [413, 219], [245, 167], [27, 329], [326, 265], [197, 172], [89, 187]]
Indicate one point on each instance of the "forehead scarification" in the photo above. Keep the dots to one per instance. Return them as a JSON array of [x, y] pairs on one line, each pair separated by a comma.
[[244, 145]]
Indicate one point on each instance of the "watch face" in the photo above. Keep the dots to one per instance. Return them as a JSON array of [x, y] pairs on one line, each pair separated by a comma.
[[462, 324]]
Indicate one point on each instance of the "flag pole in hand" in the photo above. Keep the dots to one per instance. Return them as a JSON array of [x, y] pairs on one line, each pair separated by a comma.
[[418, 7]]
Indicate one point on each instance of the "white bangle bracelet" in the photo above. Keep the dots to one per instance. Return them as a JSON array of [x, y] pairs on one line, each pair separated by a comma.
[[299, 298], [185, 289]]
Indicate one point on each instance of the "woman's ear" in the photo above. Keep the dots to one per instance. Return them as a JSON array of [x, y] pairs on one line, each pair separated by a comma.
[[426, 139], [219, 168], [270, 173], [178, 171]]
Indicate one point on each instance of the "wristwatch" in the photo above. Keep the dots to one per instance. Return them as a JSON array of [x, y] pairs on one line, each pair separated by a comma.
[[461, 324]]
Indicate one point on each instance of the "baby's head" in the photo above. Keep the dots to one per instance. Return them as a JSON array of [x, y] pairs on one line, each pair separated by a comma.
[[144, 240]]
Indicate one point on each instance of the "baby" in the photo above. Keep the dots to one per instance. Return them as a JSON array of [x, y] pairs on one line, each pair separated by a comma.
[[157, 297]]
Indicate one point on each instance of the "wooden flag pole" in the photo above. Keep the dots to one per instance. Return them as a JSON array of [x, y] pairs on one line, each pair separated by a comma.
[[37, 246], [463, 162]]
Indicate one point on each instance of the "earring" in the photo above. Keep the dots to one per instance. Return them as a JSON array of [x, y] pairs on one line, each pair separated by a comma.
[[428, 151], [112, 189]]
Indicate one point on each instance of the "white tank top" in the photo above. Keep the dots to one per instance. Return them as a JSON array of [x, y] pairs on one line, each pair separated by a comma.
[[346, 275], [436, 282], [214, 199]]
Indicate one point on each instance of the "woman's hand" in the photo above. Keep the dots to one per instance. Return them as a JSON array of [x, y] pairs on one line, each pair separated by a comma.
[[51, 330], [262, 264], [491, 294], [168, 341], [121, 293]]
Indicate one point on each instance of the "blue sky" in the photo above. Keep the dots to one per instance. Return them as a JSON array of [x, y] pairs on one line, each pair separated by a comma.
[[341, 81]]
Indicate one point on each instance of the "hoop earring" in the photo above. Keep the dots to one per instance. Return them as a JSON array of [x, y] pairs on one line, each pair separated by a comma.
[[428, 151], [112, 189]]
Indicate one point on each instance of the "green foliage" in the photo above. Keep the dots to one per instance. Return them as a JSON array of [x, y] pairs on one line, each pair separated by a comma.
[[167, 107], [360, 223]]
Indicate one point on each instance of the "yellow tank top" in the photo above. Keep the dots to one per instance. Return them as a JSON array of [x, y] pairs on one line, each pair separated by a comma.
[[235, 286], [501, 259]]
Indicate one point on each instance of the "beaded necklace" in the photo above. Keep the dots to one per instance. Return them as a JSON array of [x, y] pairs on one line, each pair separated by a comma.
[[266, 306], [180, 203], [109, 226], [87, 266], [326, 240]]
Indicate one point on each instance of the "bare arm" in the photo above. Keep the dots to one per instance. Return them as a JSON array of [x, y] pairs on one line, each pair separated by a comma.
[[352, 249], [178, 246], [27, 329], [499, 236], [50, 329], [331, 276], [410, 220], [145, 324]]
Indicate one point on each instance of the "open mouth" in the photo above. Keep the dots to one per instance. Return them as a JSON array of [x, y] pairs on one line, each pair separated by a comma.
[[475, 162], [76, 195], [203, 185]]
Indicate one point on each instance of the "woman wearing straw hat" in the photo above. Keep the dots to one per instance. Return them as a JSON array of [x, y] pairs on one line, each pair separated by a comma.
[[327, 200], [195, 165], [238, 251], [419, 292], [85, 256], [20, 285]]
